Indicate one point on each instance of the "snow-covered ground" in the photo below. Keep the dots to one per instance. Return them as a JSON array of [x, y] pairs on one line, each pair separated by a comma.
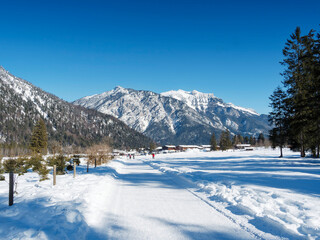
[[192, 195]]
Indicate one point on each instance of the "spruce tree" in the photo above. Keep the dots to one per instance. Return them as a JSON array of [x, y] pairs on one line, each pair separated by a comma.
[[251, 141], [241, 139], [278, 119], [261, 139], [39, 138], [311, 68], [213, 142], [295, 82], [225, 141], [302, 89]]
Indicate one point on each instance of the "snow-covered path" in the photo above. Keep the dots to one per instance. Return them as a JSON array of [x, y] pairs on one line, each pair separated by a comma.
[[189, 195], [148, 204]]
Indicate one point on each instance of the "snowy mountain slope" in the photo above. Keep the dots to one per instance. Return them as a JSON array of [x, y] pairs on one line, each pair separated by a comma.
[[22, 104], [161, 118], [237, 119], [176, 117], [203, 101]]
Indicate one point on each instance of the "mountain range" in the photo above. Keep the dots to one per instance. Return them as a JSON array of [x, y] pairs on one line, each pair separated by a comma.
[[23, 104], [177, 117]]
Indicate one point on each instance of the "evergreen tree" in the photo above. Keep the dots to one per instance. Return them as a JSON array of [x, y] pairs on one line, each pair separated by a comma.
[[241, 139], [302, 89], [225, 141], [311, 67], [246, 140], [251, 141], [59, 161], [261, 139], [237, 139], [39, 138], [278, 119], [152, 146], [254, 141], [213, 142], [295, 82]]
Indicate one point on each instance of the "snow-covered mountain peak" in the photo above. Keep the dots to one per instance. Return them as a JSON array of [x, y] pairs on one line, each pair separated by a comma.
[[2, 69], [194, 99], [175, 116], [202, 101], [119, 89]]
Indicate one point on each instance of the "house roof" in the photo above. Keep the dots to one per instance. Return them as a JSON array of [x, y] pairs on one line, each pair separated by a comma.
[[189, 146]]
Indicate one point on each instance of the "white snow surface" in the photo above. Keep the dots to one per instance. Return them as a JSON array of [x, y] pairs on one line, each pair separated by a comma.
[[190, 195]]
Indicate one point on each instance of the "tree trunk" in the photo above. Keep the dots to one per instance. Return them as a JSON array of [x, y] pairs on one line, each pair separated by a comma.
[[281, 155], [11, 184], [302, 152]]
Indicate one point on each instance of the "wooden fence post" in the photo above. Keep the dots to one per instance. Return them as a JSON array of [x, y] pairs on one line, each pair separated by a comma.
[[74, 169], [11, 183], [54, 175]]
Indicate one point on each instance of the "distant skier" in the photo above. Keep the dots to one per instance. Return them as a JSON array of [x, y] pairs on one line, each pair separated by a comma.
[[153, 155]]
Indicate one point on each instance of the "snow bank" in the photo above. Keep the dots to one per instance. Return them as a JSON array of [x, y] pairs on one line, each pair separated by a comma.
[[70, 210], [279, 196]]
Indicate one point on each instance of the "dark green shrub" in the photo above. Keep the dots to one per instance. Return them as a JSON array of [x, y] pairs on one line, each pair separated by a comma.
[[18, 165], [60, 162], [38, 165]]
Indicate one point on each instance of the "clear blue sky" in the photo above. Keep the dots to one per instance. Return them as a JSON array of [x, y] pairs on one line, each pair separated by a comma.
[[78, 48]]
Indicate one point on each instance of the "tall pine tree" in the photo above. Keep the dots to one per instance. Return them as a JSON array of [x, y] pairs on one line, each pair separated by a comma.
[[278, 119], [225, 140], [302, 94], [295, 83], [213, 142], [39, 138]]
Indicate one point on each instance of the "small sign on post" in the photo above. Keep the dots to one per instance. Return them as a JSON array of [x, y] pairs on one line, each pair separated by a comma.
[[74, 169], [11, 183], [54, 175]]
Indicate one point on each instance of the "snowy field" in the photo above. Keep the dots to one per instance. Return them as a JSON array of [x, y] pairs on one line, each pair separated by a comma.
[[192, 195]]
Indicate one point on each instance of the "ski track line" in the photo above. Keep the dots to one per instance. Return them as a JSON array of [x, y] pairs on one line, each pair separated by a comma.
[[183, 183], [250, 235]]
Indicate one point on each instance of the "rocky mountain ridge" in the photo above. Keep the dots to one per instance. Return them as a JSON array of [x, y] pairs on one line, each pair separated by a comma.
[[22, 104], [176, 117]]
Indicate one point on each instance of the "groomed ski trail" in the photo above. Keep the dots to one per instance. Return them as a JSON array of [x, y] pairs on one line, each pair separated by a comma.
[[147, 204]]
